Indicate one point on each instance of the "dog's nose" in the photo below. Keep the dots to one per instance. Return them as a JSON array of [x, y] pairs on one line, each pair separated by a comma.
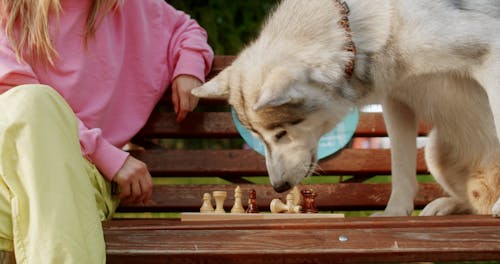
[[282, 187]]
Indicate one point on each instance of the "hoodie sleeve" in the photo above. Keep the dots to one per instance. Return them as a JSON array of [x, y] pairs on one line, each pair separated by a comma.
[[106, 157], [13, 72], [189, 52]]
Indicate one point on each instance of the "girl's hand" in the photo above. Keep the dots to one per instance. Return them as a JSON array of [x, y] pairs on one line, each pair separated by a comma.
[[134, 181], [182, 99]]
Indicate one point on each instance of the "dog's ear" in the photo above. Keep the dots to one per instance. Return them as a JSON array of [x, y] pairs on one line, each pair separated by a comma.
[[217, 88], [332, 77], [328, 75], [279, 89]]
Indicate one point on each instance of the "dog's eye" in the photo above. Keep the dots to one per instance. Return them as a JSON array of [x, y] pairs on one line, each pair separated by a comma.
[[296, 122], [280, 135]]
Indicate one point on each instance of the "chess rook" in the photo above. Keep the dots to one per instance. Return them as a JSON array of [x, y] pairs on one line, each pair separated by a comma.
[[308, 197], [219, 197]]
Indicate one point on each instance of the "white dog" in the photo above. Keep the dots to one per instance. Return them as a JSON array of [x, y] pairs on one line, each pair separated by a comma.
[[431, 60]]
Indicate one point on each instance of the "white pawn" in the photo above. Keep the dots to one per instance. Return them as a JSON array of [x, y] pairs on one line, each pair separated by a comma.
[[237, 207], [297, 196], [277, 206], [219, 197], [207, 207], [293, 208]]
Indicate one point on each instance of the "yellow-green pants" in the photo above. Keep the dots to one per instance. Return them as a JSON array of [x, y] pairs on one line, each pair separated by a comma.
[[52, 200]]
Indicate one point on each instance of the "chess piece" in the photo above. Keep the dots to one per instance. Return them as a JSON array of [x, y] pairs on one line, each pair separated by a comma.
[[252, 204], [219, 197], [277, 206], [297, 197], [293, 208], [207, 207], [309, 197], [237, 207]]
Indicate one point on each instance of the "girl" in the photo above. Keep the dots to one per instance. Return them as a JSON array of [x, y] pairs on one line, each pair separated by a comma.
[[78, 78]]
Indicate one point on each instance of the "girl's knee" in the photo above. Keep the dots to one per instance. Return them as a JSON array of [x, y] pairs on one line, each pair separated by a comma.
[[34, 100], [32, 93]]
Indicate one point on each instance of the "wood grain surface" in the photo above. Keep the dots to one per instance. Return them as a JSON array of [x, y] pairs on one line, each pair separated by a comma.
[[347, 240]]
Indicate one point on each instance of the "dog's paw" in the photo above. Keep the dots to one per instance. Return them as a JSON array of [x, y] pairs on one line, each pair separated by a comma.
[[496, 209], [445, 206]]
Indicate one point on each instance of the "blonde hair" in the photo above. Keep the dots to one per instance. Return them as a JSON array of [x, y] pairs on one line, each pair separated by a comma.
[[26, 23]]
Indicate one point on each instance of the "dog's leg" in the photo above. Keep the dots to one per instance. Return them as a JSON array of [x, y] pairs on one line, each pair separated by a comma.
[[489, 78], [402, 129], [451, 171], [490, 81]]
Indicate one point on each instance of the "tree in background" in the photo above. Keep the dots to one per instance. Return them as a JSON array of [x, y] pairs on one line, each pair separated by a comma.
[[230, 24]]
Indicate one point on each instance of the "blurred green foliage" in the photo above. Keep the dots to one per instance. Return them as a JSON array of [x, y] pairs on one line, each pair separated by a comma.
[[230, 24]]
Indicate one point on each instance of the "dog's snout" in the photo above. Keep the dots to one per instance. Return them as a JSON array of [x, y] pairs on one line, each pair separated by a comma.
[[282, 187]]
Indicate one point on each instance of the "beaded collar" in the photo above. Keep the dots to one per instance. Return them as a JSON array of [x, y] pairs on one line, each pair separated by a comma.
[[344, 22]]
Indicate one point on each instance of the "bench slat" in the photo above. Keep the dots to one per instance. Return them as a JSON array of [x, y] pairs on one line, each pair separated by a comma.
[[220, 125], [220, 63], [320, 223], [233, 163], [196, 125], [331, 197], [298, 241]]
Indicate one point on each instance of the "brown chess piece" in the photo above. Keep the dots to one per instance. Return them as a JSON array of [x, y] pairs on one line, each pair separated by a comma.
[[252, 205], [308, 199]]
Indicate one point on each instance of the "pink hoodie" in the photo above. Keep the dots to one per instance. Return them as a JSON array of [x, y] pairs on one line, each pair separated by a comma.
[[113, 85]]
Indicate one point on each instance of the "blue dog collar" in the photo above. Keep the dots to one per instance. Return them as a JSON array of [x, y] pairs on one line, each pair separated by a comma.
[[329, 143]]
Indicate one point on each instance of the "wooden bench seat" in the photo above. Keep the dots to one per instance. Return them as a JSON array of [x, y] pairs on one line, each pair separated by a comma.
[[345, 184], [370, 240]]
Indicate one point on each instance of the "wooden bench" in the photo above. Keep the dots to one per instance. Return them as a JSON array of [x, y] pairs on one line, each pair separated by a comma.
[[352, 239]]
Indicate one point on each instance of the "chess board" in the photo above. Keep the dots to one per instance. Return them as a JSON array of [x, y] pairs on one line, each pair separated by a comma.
[[203, 217], [299, 205]]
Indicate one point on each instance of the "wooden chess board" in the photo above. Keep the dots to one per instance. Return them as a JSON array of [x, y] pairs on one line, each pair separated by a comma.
[[202, 217]]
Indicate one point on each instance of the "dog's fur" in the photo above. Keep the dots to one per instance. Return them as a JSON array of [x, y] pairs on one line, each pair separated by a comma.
[[435, 60], [484, 188]]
